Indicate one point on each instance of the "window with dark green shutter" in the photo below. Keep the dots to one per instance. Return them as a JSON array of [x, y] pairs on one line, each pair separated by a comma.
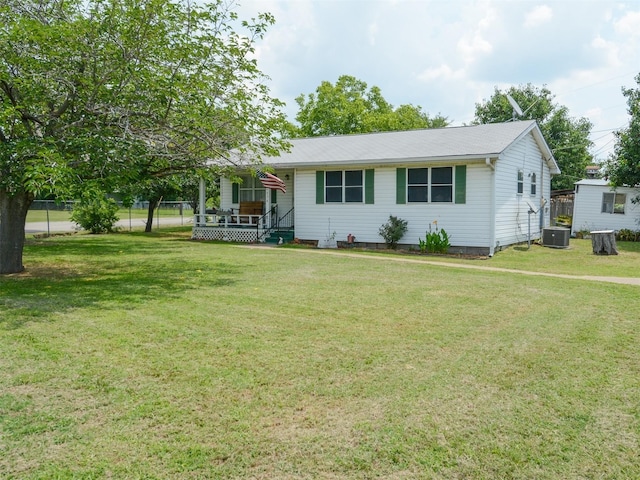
[[320, 186], [431, 185], [235, 193], [344, 186], [461, 184], [401, 185], [369, 178]]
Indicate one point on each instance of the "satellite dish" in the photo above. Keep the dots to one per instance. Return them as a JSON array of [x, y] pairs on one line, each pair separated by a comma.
[[532, 209], [516, 108]]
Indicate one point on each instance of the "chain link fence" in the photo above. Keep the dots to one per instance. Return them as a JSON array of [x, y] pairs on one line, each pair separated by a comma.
[[51, 215]]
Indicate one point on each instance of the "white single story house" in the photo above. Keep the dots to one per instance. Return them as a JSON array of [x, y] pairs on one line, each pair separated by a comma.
[[599, 206], [487, 185]]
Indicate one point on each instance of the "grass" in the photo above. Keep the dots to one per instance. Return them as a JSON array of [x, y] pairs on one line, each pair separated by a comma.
[[123, 214], [152, 356], [577, 259]]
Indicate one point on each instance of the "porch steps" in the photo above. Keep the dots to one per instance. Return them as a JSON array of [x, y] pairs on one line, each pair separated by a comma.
[[274, 237]]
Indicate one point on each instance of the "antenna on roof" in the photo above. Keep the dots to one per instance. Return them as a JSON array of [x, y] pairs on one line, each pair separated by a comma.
[[517, 111]]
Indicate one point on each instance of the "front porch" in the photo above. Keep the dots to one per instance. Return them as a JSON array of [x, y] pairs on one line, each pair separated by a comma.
[[244, 228], [248, 213]]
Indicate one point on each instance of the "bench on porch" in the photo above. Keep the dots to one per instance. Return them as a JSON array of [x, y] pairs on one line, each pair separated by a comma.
[[249, 212]]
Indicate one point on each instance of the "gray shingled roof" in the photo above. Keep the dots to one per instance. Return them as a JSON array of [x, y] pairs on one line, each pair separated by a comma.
[[477, 141]]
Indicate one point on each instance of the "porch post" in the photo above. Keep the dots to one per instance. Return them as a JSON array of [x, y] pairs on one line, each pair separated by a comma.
[[267, 209], [202, 199]]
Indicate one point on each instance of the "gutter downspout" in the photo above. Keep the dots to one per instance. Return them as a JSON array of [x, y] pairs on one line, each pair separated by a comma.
[[543, 219], [492, 207]]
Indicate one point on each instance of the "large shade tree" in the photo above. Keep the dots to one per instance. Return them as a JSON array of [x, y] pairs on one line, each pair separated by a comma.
[[107, 91], [567, 137], [350, 106], [623, 167]]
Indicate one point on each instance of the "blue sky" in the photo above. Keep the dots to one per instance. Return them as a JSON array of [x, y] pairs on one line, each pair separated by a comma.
[[446, 56]]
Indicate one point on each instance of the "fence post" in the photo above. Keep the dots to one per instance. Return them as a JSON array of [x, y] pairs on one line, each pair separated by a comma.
[[46, 203]]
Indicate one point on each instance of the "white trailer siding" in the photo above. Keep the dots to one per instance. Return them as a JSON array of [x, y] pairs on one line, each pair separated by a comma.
[[587, 209]]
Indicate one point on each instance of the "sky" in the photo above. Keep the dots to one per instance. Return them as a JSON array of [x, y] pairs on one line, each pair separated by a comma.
[[447, 55]]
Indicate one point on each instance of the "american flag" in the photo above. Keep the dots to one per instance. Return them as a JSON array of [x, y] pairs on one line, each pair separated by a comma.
[[271, 181]]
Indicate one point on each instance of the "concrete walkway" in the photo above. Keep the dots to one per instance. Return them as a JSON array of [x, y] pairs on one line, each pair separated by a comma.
[[468, 266]]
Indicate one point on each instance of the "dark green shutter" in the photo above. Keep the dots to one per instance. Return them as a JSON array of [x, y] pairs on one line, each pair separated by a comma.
[[401, 185], [274, 196], [235, 193], [369, 176], [461, 183], [320, 186]]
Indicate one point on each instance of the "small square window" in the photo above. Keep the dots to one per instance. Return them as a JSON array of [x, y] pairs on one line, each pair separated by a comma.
[[613, 202], [533, 184], [520, 181]]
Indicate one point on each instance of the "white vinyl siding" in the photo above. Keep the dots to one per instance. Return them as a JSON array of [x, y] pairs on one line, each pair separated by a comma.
[[466, 223], [512, 218], [588, 206]]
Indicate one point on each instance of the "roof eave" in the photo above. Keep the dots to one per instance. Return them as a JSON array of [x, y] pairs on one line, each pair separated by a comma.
[[476, 157]]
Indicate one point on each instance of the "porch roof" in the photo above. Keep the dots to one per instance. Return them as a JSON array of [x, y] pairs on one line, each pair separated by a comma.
[[435, 144]]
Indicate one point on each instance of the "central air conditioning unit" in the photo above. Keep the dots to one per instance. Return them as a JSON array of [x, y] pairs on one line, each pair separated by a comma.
[[557, 237]]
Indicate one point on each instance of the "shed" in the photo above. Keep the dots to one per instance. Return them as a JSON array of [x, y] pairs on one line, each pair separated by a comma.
[[599, 206]]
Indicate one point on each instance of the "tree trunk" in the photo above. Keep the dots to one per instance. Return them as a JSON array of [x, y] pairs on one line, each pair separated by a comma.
[[13, 215], [603, 242], [153, 204]]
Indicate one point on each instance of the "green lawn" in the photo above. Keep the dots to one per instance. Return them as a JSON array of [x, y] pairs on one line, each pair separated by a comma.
[[153, 356], [123, 214], [577, 259]]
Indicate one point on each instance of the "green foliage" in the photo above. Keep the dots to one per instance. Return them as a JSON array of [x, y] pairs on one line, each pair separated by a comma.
[[393, 231], [565, 220], [567, 137], [436, 240], [628, 235], [95, 212], [623, 167], [350, 107], [118, 92]]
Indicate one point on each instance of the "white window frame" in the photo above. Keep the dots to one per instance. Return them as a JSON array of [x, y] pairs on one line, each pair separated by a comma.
[[430, 185], [346, 190], [534, 184], [251, 189], [614, 203], [520, 184]]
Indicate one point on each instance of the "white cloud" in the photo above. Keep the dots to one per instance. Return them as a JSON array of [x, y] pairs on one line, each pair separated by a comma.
[[538, 16], [373, 32], [629, 24], [610, 51], [443, 72], [470, 46]]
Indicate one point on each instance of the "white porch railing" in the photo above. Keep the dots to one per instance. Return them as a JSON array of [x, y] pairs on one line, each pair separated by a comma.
[[229, 227], [230, 220]]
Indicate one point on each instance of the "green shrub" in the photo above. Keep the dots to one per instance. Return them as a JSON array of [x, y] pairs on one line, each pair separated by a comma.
[[628, 235], [95, 212], [436, 241], [564, 220], [393, 231]]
